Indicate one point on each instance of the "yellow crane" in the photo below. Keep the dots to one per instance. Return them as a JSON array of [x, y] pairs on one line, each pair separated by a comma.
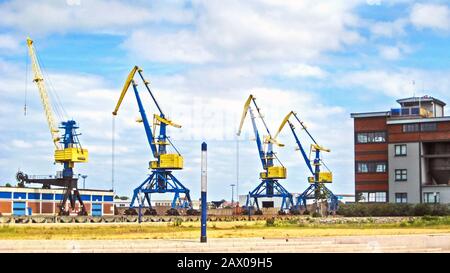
[[68, 149]]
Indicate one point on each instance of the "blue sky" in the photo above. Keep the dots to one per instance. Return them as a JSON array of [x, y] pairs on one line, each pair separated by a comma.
[[322, 59]]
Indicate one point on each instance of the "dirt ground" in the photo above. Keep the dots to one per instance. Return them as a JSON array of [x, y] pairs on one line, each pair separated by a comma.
[[376, 243]]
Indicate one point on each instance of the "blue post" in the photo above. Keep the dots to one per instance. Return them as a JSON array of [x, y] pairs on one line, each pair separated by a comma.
[[203, 194], [140, 210]]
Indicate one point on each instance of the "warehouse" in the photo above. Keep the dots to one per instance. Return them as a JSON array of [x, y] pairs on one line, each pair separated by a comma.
[[403, 155], [37, 201]]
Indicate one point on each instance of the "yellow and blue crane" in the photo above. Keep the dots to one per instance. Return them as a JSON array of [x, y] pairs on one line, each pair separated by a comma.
[[68, 149], [269, 186], [317, 189], [161, 179]]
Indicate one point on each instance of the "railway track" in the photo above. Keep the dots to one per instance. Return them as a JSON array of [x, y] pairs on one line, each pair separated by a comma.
[[134, 219]]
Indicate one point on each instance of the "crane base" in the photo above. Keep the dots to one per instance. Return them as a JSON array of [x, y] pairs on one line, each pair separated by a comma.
[[270, 188], [161, 181], [317, 192]]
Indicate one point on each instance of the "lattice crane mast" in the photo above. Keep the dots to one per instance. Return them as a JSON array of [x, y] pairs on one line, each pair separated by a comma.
[[161, 179], [269, 186], [317, 189], [68, 149]]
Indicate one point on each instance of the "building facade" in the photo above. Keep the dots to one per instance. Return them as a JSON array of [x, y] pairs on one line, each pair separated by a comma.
[[403, 155], [37, 201]]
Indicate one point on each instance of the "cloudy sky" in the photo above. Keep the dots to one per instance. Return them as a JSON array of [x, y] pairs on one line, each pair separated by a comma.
[[322, 59]]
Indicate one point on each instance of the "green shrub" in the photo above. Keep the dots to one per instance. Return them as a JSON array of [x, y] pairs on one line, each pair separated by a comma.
[[391, 209], [440, 210], [353, 210], [430, 218], [178, 222], [270, 222], [402, 210], [316, 214], [422, 210]]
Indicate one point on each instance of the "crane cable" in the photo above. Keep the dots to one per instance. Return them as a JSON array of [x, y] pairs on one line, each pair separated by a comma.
[[57, 106], [26, 84]]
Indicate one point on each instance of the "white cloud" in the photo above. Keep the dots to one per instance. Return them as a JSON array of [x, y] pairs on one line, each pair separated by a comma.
[[373, 2], [253, 30], [432, 16], [18, 143], [181, 46], [394, 52], [45, 17], [303, 70], [90, 100], [390, 52], [389, 29], [398, 83], [8, 42]]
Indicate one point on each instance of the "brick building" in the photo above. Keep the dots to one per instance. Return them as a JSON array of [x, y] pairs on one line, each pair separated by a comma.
[[37, 201], [403, 155]]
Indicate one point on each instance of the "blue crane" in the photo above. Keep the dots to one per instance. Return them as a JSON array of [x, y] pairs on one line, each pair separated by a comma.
[[317, 189], [161, 179], [269, 186]]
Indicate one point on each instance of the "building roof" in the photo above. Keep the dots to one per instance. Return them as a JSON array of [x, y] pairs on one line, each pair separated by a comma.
[[425, 98], [40, 189], [418, 120], [370, 114]]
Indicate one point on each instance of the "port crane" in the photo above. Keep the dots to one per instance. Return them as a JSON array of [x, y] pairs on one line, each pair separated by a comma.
[[68, 149], [161, 179], [269, 186], [317, 189]]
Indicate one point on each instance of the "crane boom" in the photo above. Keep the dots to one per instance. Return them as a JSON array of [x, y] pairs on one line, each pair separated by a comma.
[[39, 79], [157, 142], [125, 88]]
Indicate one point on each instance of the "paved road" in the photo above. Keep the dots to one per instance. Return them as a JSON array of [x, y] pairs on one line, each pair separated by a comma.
[[382, 243]]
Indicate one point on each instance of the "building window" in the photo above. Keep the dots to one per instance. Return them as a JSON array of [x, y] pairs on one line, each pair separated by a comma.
[[428, 127], [380, 197], [400, 150], [371, 167], [373, 197], [401, 197], [410, 128], [363, 197], [423, 127], [401, 175], [5, 195], [371, 137], [431, 197]]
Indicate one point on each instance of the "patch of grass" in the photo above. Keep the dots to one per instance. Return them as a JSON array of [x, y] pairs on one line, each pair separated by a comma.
[[270, 228]]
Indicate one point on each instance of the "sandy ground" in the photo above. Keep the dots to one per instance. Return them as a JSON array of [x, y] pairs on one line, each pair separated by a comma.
[[379, 243]]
